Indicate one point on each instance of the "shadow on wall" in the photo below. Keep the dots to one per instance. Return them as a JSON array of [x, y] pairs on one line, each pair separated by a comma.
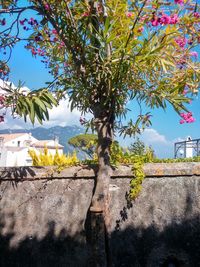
[[177, 244], [52, 250]]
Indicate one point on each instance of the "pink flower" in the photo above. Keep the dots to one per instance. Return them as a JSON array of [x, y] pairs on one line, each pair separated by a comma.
[[141, 29], [54, 31], [197, 15], [155, 22], [190, 120], [82, 121], [22, 22], [180, 2], [47, 7], [143, 18], [165, 19], [86, 14], [34, 53], [194, 54], [185, 92], [129, 14], [174, 19], [181, 41], [62, 44], [187, 117]]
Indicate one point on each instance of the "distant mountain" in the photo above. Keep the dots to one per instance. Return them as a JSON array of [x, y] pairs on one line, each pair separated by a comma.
[[62, 133]]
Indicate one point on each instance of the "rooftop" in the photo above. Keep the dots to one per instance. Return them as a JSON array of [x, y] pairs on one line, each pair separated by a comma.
[[9, 137]]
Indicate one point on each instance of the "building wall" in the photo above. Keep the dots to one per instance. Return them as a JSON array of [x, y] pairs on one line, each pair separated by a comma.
[[15, 152], [44, 217], [22, 141], [10, 157], [18, 158]]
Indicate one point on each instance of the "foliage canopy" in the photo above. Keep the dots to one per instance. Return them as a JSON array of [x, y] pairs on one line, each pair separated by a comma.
[[104, 53]]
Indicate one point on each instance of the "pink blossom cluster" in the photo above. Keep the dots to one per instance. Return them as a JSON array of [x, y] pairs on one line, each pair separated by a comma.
[[86, 14], [3, 73], [140, 29], [164, 20], [129, 14], [38, 52], [194, 54], [180, 2], [196, 15], [187, 117], [31, 22], [47, 7], [54, 31], [181, 41], [82, 121], [62, 44], [185, 92], [21, 22]]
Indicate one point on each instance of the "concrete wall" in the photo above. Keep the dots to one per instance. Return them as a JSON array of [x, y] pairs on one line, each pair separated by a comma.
[[43, 217]]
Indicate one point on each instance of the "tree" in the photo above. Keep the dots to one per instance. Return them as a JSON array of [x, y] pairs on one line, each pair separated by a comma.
[[139, 148], [85, 142], [107, 52]]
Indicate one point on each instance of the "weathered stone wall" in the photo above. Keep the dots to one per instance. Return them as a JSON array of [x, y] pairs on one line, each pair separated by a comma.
[[43, 217]]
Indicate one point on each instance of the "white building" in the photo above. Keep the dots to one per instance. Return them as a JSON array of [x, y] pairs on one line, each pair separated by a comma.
[[14, 148], [189, 148]]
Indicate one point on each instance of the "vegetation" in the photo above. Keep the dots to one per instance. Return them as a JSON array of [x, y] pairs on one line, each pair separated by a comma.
[[139, 148], [59, 160], [118, 156], [106, 53], [84, 142]]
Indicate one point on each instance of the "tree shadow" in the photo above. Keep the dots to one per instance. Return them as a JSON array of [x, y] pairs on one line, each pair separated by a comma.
[[16, 174], [123, 214], [177, 243], [153, 247], [54, 249]]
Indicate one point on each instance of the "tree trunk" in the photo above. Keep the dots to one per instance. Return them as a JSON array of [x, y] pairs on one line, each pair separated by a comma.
[[99, 210]]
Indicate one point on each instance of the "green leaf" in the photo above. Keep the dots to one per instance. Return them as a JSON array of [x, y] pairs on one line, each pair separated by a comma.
[[40, 103]]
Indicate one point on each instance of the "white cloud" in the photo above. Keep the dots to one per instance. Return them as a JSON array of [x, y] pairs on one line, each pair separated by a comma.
[[162, 146], [60, 115], [7, 84], [151, 136]]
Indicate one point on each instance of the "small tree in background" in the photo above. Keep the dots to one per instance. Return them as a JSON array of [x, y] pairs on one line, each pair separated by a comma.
[[139, 148], [105, 53], [84, 142]]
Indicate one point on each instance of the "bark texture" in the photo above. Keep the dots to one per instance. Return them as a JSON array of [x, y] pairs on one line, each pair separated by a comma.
[[100, 218]]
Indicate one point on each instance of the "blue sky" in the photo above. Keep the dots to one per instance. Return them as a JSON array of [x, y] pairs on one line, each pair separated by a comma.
[[165, 129]]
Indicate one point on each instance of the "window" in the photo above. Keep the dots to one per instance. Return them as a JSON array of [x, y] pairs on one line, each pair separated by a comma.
[[18, 143]]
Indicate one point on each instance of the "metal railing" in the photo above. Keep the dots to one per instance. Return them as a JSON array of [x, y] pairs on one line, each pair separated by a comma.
[[181, 149]]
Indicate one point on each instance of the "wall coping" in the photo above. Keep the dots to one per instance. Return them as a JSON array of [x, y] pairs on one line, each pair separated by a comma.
[[154, 170]]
